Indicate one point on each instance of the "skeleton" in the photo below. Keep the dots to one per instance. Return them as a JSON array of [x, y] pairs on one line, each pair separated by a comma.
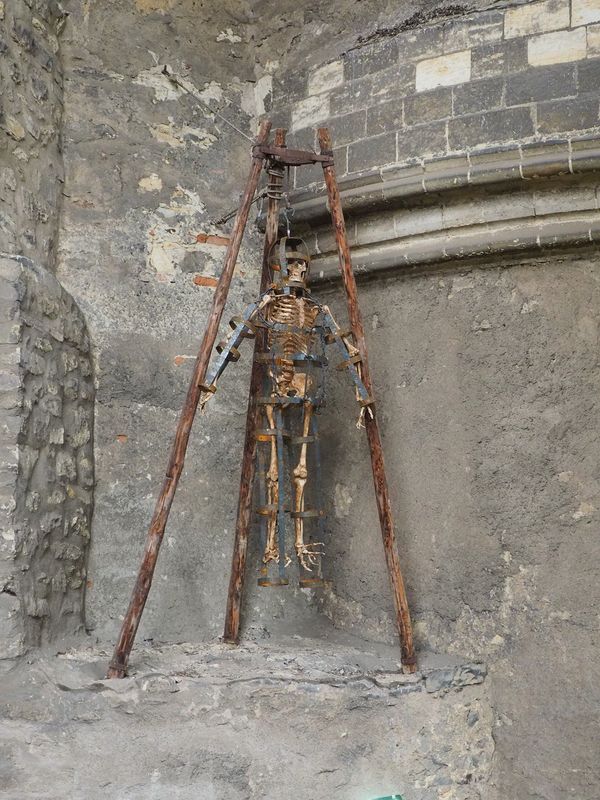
[[297, 325]]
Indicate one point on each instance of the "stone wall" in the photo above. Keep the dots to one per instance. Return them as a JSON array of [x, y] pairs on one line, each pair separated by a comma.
[[485, 369], [47, 461], [30, 113], [524, 74]]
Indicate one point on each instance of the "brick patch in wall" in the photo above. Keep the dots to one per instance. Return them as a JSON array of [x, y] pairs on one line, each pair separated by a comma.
[[584, 12], [445, 70], [557, 48], [532, 18]]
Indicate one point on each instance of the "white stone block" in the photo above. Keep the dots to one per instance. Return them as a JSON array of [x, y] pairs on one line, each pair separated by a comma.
[[585, 11], [530, 18], [325, 78], [444, 70], [308, 112], [557, 48], [593, 41]]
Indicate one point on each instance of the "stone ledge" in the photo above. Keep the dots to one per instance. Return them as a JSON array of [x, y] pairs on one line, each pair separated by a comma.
[[382, 188], [506, 200]]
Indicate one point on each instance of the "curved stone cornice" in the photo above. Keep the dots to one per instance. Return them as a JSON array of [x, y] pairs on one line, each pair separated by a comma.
[[511, 199]]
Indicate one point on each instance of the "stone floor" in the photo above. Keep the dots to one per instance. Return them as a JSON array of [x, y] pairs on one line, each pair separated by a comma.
[[299, 719]]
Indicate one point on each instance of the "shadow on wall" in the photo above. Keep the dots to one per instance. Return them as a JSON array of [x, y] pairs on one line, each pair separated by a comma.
[[47, 469]]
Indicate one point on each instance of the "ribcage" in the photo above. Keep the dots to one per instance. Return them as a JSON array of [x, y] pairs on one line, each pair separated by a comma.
[[294, 312]]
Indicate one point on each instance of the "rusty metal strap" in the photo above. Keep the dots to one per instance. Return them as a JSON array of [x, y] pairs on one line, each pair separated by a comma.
[[210, 389], [289, 157], [267, 433], [341, 334], [347, 362], [311, 512], [303, 439]]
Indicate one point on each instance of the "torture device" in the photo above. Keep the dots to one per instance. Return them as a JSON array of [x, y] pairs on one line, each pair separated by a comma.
[[291, 332], [298, 329]]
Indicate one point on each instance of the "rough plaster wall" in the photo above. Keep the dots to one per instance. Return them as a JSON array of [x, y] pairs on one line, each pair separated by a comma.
[[303, 722], [493, 525], [30, 115], [489, 386], [48, 470], [146, 172]]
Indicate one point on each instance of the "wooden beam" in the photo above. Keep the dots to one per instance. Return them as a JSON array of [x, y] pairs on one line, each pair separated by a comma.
[[372, 428], [118, 665], [240, 547]]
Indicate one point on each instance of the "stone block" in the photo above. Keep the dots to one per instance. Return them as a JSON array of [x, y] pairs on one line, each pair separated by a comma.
[[557, 48], [532, 18], [385, 117], [368, 59], [421, 43], [588, 75], [558, 116], [422, 140], [491, 126], [593, 41], [311, 111], [541, 83], [372, 152], [326, 77], [447, 70], [584, 11], [461, 34], [291, 88], [428, 106], [348, 128], [373, 89], [477, 96]]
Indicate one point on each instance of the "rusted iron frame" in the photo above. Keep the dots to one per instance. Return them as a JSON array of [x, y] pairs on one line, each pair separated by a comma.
[[118, 665], [290, 158], [372, 428], [242, 528]]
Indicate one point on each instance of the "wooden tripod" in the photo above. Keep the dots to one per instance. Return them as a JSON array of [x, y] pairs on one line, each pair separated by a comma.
[[273, 155]]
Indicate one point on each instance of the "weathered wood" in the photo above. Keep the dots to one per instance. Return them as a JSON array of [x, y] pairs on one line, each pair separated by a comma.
[[240, 547], [372, 428], [118, 664]]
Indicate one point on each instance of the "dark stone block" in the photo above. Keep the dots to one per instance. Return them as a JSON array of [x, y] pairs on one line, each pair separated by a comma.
[[478, 96], [422, 140], [304, 139], [370, 58], [567, 115], [291, 88], [424, 42], [499, 59], [491, 126], [384, 117], [373, 89], [428, 106], [348, 128], [589, 75], [541, 83], [373, 152]]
